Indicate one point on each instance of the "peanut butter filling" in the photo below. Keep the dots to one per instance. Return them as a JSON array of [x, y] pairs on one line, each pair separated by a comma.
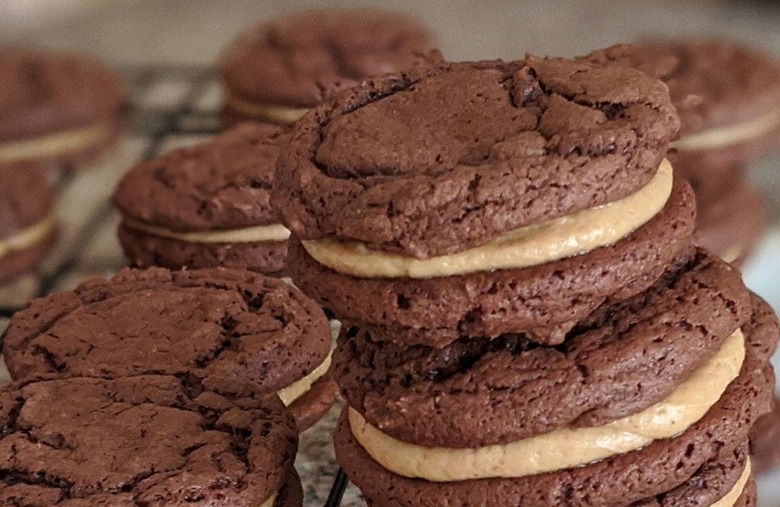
[[270, 112], [564, 447], [726, 136], [28, 237], [732, 496], [531, 245], [54, 144], [297, 389], [256, 234], [270, 502]]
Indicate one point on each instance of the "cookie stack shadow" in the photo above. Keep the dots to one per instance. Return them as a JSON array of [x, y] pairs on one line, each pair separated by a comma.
[[526, 320]]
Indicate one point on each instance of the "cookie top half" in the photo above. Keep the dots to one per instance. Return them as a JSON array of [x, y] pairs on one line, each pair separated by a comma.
[[43, 92], [147, 440], [447, 156], [291, 60], [26, 197], [210, 324], [221, 184], [712, 82]]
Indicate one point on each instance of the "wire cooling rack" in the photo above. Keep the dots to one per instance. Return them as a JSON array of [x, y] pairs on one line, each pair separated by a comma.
[[167, 108]]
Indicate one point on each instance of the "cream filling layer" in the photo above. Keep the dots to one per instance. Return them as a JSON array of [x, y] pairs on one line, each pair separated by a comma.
[[29, 236], [733, 495], [297, 389], [564, 447], [256, 234], [726, 136], [526, 246], [54, 144], [270, 502], [271, 112]]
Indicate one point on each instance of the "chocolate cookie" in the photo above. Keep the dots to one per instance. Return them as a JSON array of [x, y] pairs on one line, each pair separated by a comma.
[[727, 95], [276, 70], [28, 225], [730, 220], [207, 205], [513, 144], [211, 323], [545, 301], [56, 107], [622, 359], [145, 440], [765, 440], [655, 469]]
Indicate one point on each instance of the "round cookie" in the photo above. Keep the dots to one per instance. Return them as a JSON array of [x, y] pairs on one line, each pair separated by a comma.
[[657, 468], [765, 440], [276, 70], [727, 95], [145, 440], [515, 145], [207, 324], [207, 205], [56, 107], [28, 225], [731, 220], [621, 360]]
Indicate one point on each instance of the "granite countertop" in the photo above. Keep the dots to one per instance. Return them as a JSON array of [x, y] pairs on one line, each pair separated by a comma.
[[167, 50]]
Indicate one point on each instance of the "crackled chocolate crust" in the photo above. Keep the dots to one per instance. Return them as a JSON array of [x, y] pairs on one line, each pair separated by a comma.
[[292, 60], [211, 323], [221, 184], [145, 250], [47, 92], [144, 440], [619, 480], [622, 359], [449, 156], [543, 301]]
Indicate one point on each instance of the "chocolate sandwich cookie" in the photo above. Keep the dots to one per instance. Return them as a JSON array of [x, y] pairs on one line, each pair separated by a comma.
[[28, 224], [209, 324], [697, 463], [727, 95], [502, 206], [148, 440], [207, 205], [56, 107], [765, 440], [276, 70], [731, 217]]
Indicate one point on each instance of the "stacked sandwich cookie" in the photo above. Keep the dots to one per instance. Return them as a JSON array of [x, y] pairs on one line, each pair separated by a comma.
[[56, 108], [277, 70], [201, 324], [207, 205], [147, 440], [728, 98], [526, 321], [28, 222]]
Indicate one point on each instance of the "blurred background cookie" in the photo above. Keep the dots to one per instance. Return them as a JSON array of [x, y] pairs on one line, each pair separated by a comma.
[[207, 205], [277, 70], [56, 107], [28, 224]]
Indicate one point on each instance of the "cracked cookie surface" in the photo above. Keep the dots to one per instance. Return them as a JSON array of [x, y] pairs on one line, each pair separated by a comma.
[[449, 156], [143, 441], [211, 323]]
